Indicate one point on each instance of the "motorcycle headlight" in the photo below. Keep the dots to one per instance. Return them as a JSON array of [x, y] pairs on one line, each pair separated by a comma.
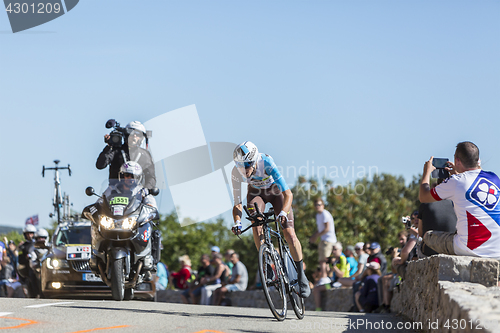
[[107, 222], [129, 222]]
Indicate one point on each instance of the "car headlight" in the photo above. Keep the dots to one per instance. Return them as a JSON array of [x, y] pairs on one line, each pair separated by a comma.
[[56, 263], [129, 222], [107, 222]]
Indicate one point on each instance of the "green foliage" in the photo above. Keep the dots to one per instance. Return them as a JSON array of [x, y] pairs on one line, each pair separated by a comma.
[[364, 211], [13, 235]]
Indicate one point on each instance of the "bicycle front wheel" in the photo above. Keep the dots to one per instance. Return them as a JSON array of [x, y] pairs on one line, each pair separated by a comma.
[[273, 283]]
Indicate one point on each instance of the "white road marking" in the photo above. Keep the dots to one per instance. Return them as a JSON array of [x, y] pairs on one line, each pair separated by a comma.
[[48, 304], [5, 313]]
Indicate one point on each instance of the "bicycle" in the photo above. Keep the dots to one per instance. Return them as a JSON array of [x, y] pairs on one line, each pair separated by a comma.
[[277, 268]]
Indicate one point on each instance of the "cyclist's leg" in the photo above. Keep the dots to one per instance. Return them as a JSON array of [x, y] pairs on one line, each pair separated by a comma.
[[253, 196], [276, 198]]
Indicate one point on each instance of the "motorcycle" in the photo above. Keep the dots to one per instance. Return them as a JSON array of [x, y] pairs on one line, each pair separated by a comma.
[[125, 248]]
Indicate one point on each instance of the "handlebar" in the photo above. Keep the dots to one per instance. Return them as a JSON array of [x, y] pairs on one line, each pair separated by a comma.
[[258, 218]]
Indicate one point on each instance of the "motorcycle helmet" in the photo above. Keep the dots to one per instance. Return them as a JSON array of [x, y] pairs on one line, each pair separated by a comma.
[[29, 228], [41, 233], [135, 127], [131, 168], [245, 155]]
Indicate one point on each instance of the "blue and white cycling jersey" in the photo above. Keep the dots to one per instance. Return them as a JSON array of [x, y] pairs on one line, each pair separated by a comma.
[[266, 174]]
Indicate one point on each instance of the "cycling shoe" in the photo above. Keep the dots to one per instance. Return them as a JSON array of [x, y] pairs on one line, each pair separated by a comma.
[[304, 289]]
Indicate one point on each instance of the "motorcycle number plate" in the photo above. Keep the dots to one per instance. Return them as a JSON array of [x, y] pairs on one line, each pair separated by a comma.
[[119, 201], [91, 277], [77, 252]]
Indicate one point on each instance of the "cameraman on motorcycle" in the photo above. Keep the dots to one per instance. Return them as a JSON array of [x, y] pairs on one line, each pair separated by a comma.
[[27, 258], [115, 157]]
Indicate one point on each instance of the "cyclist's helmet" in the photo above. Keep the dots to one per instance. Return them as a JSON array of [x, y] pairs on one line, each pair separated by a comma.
[[131, 169], [135, 127], [245, 155]]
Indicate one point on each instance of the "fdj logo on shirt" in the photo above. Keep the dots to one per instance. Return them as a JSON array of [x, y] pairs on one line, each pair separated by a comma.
[[484, 193], [26, 14]]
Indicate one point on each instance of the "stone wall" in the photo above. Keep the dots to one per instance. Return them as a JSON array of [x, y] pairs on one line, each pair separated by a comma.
[[333, 300], [450, 289]]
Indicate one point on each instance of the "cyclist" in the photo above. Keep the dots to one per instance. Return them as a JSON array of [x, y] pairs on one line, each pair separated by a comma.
[[265, 184]]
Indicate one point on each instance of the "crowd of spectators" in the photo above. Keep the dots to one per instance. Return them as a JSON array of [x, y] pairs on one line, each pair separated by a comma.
[[214, 279]]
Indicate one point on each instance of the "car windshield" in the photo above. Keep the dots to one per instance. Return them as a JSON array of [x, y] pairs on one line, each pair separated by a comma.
[[73, 235]]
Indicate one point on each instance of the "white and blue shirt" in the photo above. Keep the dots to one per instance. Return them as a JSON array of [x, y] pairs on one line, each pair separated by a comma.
[[475, 195], [266, 174]]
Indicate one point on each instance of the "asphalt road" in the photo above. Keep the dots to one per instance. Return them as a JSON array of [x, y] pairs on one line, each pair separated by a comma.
[[42, 315]]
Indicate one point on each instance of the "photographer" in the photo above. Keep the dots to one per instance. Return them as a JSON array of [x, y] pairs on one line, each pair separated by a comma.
[[115, 154], [475, 195], [407, 253], [340, 268]]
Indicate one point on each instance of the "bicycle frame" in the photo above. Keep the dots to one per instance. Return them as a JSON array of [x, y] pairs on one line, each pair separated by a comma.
[[269, 232]]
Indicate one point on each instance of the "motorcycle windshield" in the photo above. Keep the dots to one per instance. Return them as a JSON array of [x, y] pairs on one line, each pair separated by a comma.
[[123, 204]]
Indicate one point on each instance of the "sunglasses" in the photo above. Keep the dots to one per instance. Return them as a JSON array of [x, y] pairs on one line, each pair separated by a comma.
[[318, 205], [245, 165]]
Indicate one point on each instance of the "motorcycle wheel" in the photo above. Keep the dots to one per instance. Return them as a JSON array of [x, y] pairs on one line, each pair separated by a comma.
[[129, 294], [117, 280]]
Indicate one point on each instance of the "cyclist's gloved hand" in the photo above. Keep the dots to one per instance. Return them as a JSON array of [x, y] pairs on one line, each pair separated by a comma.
[[237, 228], [282, 216]]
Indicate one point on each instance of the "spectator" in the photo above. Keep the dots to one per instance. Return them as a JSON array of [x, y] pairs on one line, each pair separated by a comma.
[[182, 277], [326, 231], [161, 276], [361, 264], [389, 281], [12, 252], [193, 293], [377, 256], [437, 216], [353, 263], [215, 281], [340, 269], [475, 194], [227, 261], [3, 250], [367, 297], [238, 281]]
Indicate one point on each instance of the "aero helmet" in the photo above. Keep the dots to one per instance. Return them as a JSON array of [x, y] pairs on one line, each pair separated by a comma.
[[245, 154]]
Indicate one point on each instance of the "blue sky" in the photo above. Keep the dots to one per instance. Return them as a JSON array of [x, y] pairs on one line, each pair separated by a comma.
[[334, 83]]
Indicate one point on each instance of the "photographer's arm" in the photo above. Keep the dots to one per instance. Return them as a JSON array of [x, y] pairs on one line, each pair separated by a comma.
[[410, 244], [424, 194], [105, 158]]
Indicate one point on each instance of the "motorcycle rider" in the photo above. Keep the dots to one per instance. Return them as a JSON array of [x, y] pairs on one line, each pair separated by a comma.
[[27, 257], [131, 151], [130, 180]]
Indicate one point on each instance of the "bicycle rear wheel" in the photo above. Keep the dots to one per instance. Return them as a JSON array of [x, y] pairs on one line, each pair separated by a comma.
[[273, 283], [293, 286]]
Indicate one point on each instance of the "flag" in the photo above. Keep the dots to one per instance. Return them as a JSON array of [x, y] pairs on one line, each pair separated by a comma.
[[32, 220]]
